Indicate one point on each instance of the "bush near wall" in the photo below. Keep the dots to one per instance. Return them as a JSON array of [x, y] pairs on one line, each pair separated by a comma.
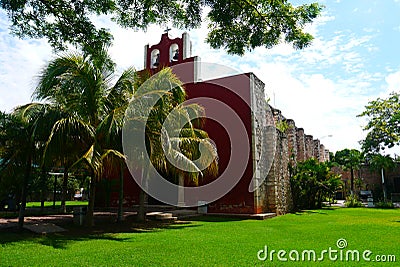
[[312, 182]]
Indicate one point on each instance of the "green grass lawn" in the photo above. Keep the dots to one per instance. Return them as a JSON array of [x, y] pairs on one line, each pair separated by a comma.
[[33, 209], [49, 204], [210, 241]]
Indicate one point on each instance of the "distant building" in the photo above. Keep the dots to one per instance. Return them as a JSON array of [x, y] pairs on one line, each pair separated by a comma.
[[366, 179]]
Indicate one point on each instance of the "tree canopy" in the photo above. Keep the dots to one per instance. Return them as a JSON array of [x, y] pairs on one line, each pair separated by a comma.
[[383, 123], [349, 159], [236, 26]]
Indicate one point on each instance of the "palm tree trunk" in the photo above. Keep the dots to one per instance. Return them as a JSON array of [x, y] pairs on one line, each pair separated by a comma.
[[181, 190], [384, 185], [143, 197], [21, 215], [90, 210], [54, 192], [352, 181], [120, 216], [42, 189], [64, 191]]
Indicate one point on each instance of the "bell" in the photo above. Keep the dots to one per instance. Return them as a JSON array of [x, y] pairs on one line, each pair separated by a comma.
[[157, 61], [176, 56]]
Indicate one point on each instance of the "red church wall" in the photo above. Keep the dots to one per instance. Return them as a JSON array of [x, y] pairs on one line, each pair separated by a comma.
[[233, 91]]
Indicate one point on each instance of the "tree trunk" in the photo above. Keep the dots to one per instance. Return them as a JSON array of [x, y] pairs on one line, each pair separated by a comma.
[[90, 210], [181, 190], [54, 192], [352, 181], [143, 197], [42, 189], [21, 215], [384, 185], [64, 191], [120, 216]]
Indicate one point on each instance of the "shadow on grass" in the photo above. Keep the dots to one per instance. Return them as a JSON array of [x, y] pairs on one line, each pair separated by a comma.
[[307, 212], [57, 241], [101, 231], [216, 218], [317, 211]]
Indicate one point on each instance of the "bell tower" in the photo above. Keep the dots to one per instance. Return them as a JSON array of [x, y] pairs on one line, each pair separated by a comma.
[[168, 52], [174, 53]]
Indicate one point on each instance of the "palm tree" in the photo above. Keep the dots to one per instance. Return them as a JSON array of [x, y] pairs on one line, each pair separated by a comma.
[[178, 144], [69, 139], [82, 87], [46, 116], [381, 164], [182, 141]]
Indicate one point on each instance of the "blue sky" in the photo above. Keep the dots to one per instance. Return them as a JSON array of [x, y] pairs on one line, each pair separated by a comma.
[[354, 59]]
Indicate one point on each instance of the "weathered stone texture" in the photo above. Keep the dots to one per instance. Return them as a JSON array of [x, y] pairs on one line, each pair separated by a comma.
[[277, 184], [327, 156], [309, 144], [322, 153], [316, 152], [292, 141], [301, 145]]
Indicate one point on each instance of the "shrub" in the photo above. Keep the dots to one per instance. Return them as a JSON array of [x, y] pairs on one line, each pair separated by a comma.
[[353, 202], [384, 205], [312, 182]]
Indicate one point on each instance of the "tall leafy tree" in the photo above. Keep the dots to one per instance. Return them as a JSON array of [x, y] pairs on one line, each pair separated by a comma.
[[83, 86], [234, 25], [383, 117], [350, 159], [21, 136], [14, 170]]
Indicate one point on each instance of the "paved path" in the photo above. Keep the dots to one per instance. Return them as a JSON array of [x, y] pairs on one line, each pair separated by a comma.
[[339, 203], [44, 228], [39, 224]]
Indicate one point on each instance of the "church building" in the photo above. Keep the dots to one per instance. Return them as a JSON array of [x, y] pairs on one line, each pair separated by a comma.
[[255, 142]]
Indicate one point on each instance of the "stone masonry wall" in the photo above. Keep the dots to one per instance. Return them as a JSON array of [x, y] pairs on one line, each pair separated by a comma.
[[292, 141], [322, 153], [309, 146], [301, 144], [277, 184], [292, 146], [316, 153]]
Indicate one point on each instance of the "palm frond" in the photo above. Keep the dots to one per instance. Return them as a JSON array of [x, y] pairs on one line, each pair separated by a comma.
[[68, 137]]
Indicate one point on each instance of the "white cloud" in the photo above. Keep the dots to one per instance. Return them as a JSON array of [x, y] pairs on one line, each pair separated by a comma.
[[20, 62], [393, 82]]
